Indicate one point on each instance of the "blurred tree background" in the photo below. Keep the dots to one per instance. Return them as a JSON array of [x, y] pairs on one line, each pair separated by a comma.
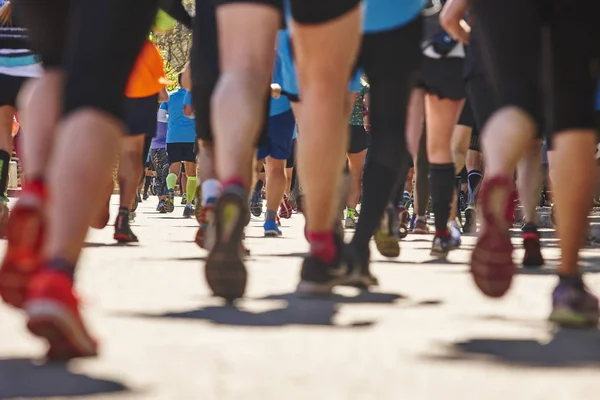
[[175, 46]]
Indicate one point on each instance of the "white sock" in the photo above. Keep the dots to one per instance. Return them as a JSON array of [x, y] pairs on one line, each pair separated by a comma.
[[211, 188]]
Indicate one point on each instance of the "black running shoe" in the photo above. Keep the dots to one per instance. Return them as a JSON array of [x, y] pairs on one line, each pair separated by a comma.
[[360, 261], [256, 204], [318, 278], [123, 233], [188, 211], [225, 271], [531, 242]]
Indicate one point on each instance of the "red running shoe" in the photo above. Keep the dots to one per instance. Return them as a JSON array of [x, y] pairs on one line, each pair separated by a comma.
[[53, 311], [206, 218], [492, 265], [285, 209], [25, 235]]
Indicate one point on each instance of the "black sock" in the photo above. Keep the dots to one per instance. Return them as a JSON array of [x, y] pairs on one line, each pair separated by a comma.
[[259, 185], [123, 210], [147, 184], [379, 182], [4, 164], [473, 181], [441, 177]]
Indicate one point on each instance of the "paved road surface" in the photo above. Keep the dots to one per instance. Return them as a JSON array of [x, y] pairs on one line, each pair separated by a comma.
[[426, 333]]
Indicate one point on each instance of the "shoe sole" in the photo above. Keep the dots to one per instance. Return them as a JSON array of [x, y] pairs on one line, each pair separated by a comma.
[[272, 234], [13, 283], [124, 238], [66, 337], [225, 271], [492, 265], [566, 317]]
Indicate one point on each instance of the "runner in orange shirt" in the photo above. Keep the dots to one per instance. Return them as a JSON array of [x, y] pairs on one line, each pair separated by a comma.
[[144, 91]]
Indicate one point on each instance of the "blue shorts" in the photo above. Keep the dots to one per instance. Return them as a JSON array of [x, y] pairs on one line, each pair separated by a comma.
[[280, 132]]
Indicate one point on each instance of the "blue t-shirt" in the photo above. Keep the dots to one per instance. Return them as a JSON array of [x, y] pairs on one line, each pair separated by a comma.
[[385, 15], [282, 104], [160, 140], [181, 129]]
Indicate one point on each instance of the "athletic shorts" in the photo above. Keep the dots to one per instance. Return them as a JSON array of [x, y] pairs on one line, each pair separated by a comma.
[[96, 43], [281, 133], [358, 139], [442, 77], [181, 152], [466, 115], [320, 11], [140, 116], [514, 48], [291, 161], [11, 85]]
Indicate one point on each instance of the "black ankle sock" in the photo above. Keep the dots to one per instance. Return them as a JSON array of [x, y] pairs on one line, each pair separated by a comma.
[[441, 177], [123, 210], [147, 184], [4, 164], [61, 265], [473, 181], [259, 185]]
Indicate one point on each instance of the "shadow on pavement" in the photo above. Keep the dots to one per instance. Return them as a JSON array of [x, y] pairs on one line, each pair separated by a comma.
[[114, 244], [567, 348], [22, 378], [295, 311]]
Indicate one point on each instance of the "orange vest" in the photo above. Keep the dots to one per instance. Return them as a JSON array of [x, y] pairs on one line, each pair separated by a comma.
[[145, 77]]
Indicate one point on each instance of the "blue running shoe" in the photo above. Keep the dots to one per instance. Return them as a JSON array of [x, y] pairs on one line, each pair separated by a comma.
[[271, 229]]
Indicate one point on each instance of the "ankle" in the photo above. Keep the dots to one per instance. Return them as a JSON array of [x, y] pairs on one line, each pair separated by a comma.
[[61, 265], [322, 245]]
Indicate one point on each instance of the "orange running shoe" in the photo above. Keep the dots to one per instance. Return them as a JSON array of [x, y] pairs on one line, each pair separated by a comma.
[[53, 310], [25, 235], [206, 219]]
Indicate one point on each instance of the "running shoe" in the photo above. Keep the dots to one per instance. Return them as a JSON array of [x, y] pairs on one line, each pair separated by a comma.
[[403, 221], [462, 201], [225, 271], [25, 234], [573, 305], [443, 244], [206, 219], [271, 229], [365, 279], [386, 237], [349, 223], [123, 233], [285, 208], [132, 216], [53, 310], [188, 211], [421, 226], [256, 204], [136, 201], [170, 201], [531, 243], [146, 196], [470, 225], [492, 265], [184, 199], [318, 278], [162, 207]]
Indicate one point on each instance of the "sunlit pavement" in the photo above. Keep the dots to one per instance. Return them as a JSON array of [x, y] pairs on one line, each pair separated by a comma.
[[425, 333]]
